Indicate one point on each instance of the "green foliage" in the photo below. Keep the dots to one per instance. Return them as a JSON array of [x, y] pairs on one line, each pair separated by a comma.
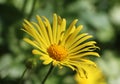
[[101, 18]]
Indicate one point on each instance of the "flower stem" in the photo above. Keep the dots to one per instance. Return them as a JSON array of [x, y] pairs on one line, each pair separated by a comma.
[[50, 70], [24, 5], [32, 9], [20, 82]]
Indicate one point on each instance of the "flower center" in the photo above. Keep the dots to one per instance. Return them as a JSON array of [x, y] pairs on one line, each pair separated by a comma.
[[57, 52]]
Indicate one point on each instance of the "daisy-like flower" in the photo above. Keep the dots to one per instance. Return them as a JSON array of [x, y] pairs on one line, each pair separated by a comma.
[[95, 76], [59, 45]]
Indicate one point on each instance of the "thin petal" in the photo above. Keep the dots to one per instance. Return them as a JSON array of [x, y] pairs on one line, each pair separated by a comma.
[[42, 29], [74, 34], [76, 39], [85, 54], [29, 28], [61, 30], [88, 62], [90, 43], [46, 59], [37, 52], [41, 37], [54, 27], [33, 44], [80, 41], [86, 49], [69, 31], [48, 27]]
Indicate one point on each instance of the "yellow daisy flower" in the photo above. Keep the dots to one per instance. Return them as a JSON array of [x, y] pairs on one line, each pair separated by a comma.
[[95, 76], [59, 45]]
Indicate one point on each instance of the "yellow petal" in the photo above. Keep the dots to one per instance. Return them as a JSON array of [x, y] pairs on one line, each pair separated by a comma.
[[48, 27], [76, 39], [90, 43], [85, 54], [61, 30], [42, 29], [31, 42], [80, 41], [73, 35], [86, 49], [54, 27], [69, 31], [46, 59], [37, 52]]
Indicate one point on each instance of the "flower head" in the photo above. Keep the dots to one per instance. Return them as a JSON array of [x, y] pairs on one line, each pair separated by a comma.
[[59, 45], [95, 76]]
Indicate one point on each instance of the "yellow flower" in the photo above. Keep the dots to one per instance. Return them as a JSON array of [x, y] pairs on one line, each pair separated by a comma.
[[95, 76], [59, 45]]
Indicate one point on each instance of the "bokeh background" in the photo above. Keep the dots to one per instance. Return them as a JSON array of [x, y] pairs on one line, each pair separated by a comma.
[[101, 18]]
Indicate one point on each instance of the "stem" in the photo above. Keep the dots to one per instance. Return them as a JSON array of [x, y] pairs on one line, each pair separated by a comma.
[[50, 70], [24, 5], [20, 82], [32, 9]]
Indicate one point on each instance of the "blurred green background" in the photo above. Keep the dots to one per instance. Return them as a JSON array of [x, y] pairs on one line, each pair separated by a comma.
[[101, 18]]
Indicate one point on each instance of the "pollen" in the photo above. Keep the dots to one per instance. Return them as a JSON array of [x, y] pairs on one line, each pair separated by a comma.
[[56, 52]]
